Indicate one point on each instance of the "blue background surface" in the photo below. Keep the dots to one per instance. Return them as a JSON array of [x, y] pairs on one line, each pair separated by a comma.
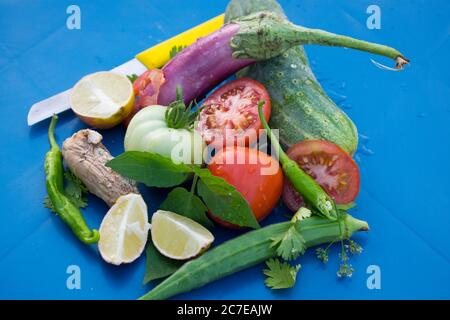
[[403, 120]]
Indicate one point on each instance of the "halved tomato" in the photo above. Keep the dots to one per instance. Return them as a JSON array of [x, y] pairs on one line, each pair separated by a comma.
[[330, 166], [255, 174], [146, 89], [230, 114]]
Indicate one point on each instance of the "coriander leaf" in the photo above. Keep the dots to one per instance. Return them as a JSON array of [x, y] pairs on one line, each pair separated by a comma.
[[181, 201], [75, 190], [158, 266], [301, 214], [224, 200], [175, 50], [289, 244], [49, 204], [280, 275], [353, 247], [322, 254], [132, 77], [151, 169]]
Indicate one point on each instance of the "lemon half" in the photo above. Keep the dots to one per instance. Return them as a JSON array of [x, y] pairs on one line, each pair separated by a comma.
[[102, 99], [178, 237], [124, 230]]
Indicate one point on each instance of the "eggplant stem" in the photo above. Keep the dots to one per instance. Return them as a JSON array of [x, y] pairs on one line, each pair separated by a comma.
[[264, 35]]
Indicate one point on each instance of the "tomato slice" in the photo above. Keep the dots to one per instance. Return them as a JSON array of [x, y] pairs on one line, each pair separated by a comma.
[[255, 174], [230, 114], [332, 168], [146, 89]]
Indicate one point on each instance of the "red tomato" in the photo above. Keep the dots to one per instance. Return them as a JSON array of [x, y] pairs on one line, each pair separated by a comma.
[[329, 165], [256, 175], [146, 89], [230, 114]]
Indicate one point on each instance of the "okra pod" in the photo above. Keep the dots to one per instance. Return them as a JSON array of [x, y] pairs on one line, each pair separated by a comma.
[[248, 250]]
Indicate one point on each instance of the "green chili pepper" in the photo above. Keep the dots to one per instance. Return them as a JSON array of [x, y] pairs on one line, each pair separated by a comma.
[[311, 191], [248, 250], [54, 181]]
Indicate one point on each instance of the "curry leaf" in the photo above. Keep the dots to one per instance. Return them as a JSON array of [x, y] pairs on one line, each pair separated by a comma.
[[151, 169], [187, 204], [224, 200]]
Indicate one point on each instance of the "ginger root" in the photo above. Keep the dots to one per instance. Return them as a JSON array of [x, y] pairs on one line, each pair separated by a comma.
[[86, 156]]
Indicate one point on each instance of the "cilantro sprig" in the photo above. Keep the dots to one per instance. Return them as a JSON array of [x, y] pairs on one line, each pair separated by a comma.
[[348, 248], [74, 189], [280, 275], [289, 246], [175, 50]]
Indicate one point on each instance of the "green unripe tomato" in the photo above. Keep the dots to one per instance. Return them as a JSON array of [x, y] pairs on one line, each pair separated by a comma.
[[148, 131]]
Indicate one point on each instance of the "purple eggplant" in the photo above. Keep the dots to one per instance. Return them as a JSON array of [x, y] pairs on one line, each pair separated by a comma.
[[258, 36], [201, 66]]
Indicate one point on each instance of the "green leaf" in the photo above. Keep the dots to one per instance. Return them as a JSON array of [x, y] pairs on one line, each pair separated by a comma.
[[132, 77], [289, 244], [280, 275], [175, 50], [181, 201], [158, 266], [49, 204], [151, 169], [74, 189], [224, 200], [346, 206]]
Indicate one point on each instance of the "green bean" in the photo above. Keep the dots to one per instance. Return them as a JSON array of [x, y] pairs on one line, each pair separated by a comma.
[[311, 191], [248, 250], [62, 205]]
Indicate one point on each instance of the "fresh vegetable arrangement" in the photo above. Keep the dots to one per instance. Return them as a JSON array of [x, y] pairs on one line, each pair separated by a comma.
[[211, 156]]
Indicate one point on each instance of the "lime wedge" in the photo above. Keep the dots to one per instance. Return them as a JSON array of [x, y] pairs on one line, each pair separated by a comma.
[[124, 230], [178, 237]]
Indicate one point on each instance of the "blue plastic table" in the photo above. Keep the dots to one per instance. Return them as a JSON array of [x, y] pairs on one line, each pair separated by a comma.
[[403, 120]]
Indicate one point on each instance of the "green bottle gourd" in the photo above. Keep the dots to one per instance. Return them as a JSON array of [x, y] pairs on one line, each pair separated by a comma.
[[301, 110]]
